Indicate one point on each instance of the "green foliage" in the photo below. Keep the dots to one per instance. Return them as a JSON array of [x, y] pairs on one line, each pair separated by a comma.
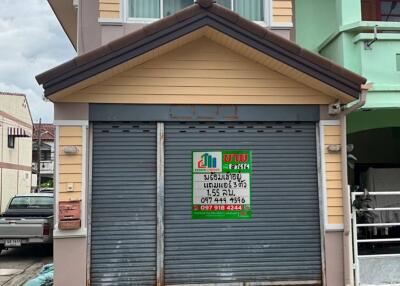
[[48, 184]]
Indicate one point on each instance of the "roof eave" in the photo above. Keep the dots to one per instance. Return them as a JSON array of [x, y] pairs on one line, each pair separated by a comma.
[[178, 25]]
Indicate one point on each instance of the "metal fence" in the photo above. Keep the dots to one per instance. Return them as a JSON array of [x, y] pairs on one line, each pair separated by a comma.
[[376, 237]]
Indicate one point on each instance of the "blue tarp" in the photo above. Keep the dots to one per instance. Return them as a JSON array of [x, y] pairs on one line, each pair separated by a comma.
[[45, 277]]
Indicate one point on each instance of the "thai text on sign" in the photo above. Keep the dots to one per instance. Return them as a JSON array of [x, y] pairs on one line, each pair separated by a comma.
[[222, 184]]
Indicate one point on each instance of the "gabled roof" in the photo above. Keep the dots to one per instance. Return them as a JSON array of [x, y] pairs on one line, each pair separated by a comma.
[[202, 14]]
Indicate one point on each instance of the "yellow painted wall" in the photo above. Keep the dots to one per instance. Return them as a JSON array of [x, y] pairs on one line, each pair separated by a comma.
[[70, 166], [282, 11], [109, 9], [334, 190], [200, 72]]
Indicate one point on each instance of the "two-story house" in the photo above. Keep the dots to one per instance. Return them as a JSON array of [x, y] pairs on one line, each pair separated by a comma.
[[98, 22], [15, 147], [197, 145], [364, 36], [45, 134]]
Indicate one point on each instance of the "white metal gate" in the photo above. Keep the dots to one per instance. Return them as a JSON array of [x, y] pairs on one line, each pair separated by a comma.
[[374, 221]]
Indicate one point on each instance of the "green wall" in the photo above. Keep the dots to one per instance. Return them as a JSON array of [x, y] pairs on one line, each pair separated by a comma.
[[333, 28], [373, 119], [379, 64], [315, 20], [349, 11]]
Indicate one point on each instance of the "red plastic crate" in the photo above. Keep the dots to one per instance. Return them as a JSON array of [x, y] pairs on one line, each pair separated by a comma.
[[69, 224], [69, 210]]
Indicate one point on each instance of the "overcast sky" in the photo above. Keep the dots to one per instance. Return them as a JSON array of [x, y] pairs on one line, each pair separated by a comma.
[[31, 41]]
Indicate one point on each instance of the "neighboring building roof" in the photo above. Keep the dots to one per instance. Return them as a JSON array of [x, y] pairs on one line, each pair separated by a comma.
[[11, 93], [47, 131], [15, 117], [203, 13]]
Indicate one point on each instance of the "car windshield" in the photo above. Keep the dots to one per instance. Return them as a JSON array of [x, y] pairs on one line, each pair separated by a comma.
[[32, 203]]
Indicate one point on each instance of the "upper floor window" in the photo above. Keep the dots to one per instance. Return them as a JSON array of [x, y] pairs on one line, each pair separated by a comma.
[[11, 141], [389, 10], [147, 10], [251, 9], [381, 10]]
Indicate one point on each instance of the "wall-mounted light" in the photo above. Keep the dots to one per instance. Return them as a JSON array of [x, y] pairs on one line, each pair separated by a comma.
[[70, 150], [334, 148]]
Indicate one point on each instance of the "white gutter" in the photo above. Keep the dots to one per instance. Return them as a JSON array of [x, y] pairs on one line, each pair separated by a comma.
[[347, 235]]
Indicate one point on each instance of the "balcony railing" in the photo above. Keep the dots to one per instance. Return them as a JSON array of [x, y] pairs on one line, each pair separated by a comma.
[[46, 167]]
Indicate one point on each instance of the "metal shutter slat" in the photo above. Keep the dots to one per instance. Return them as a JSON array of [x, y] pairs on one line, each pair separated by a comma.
[[282, 240], [123, 231]]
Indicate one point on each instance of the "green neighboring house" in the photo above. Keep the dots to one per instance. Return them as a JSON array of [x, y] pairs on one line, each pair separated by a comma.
[[364, 36]]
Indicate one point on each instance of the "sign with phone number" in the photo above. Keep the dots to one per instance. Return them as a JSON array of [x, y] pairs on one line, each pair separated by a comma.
[[221, 184]]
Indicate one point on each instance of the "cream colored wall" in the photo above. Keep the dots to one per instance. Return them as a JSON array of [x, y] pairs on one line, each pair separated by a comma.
[[109, 9], [8, 186], [333, 174], [13, 182], [16, 106], [282, 11], [197, 73], [15, 163], [21, 154], [24, 181]]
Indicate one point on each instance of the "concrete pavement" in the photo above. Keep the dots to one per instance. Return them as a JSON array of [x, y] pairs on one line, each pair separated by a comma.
[[19, 265]]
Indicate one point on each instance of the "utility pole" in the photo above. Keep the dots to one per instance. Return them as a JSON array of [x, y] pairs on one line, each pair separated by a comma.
[[39, 151]]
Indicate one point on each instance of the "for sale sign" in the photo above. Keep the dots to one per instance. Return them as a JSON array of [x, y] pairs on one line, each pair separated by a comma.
[[222, 184]]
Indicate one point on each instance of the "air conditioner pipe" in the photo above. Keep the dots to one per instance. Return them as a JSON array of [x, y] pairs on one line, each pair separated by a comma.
[[347, 237]]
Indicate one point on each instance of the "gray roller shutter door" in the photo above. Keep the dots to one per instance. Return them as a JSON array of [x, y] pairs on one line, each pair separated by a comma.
[[282, 240], [123, 230]]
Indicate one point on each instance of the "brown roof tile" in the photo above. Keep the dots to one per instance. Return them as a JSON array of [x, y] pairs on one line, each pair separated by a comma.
[[188, 12], [92, 55], [126, 40], [252, 27], [224, 13], [157, 25], [47, 130], [205, 3], [57, 71]]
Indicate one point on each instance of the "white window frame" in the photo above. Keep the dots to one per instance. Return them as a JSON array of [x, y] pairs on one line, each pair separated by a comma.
[[125, 12]]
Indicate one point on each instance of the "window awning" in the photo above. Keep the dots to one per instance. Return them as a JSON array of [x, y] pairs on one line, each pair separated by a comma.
[[18, 132]]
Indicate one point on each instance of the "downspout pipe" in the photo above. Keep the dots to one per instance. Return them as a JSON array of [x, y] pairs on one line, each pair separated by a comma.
[[347, 235]]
